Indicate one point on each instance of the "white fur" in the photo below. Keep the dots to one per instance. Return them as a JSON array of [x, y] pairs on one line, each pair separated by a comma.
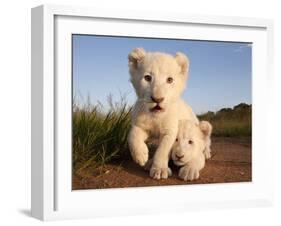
[[163, 123], [188, 150]]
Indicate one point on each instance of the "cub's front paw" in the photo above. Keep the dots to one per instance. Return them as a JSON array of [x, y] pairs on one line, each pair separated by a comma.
[[188, 173], [160, 173], [207, 153], [140, 157]]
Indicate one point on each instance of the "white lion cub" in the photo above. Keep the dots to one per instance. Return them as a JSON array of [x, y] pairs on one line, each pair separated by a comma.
[[188, 150], [159, 80]]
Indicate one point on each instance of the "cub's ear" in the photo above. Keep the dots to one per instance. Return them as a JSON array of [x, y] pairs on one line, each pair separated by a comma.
[[136, 56], [206, 128], [183, 61]]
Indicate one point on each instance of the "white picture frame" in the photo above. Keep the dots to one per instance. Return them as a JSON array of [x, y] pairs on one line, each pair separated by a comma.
[[52, 197]]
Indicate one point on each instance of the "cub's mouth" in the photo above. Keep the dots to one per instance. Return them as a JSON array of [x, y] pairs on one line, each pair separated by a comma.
[[178, 162], [157, 109]]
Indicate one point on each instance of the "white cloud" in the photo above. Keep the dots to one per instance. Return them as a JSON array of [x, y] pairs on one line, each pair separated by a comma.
[[243, 47]]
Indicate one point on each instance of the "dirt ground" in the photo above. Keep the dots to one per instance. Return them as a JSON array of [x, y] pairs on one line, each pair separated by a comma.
[[230, 162]]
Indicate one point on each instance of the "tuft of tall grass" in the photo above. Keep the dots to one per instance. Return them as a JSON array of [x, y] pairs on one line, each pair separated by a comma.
[[98, 136]]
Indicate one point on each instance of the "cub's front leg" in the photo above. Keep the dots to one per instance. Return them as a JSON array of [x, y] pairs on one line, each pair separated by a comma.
[[159, 168], [191, 171], [138, 148]]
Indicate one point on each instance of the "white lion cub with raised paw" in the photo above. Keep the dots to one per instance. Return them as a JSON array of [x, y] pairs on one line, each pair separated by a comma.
[[159, 80], [188, 150]]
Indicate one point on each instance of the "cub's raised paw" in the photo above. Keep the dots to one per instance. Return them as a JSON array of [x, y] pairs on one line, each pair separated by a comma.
[[160, 173], [188, 173], [140, 158]]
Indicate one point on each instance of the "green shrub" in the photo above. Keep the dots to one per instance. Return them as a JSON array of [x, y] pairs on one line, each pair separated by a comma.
[[228, 122]]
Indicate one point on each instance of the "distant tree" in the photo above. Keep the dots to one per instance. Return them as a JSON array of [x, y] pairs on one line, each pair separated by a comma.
[[210, 113], [207, 116], [223, 110], [241, 106]]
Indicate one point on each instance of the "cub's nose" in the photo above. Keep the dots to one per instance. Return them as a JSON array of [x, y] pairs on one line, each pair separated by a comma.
[[157, 100], [179, 156]]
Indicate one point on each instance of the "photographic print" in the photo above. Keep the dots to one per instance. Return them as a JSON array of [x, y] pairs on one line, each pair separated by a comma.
[[157, 112]]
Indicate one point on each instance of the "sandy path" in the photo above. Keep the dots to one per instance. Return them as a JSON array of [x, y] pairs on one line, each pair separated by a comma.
[[231, 162]]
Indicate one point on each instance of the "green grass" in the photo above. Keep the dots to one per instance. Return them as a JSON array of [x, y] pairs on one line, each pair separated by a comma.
[[100, 136], [228, 122]]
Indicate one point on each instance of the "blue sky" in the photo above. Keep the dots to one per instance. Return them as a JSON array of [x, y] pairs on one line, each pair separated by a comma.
[[220, 72]]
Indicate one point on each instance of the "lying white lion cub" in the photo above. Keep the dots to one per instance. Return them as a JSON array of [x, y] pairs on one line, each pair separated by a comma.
[[188, 150]]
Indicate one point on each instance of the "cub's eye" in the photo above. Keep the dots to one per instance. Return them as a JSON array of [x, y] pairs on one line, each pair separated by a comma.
[[147, 78], [190, 142], [170, 80], [177, 140]]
